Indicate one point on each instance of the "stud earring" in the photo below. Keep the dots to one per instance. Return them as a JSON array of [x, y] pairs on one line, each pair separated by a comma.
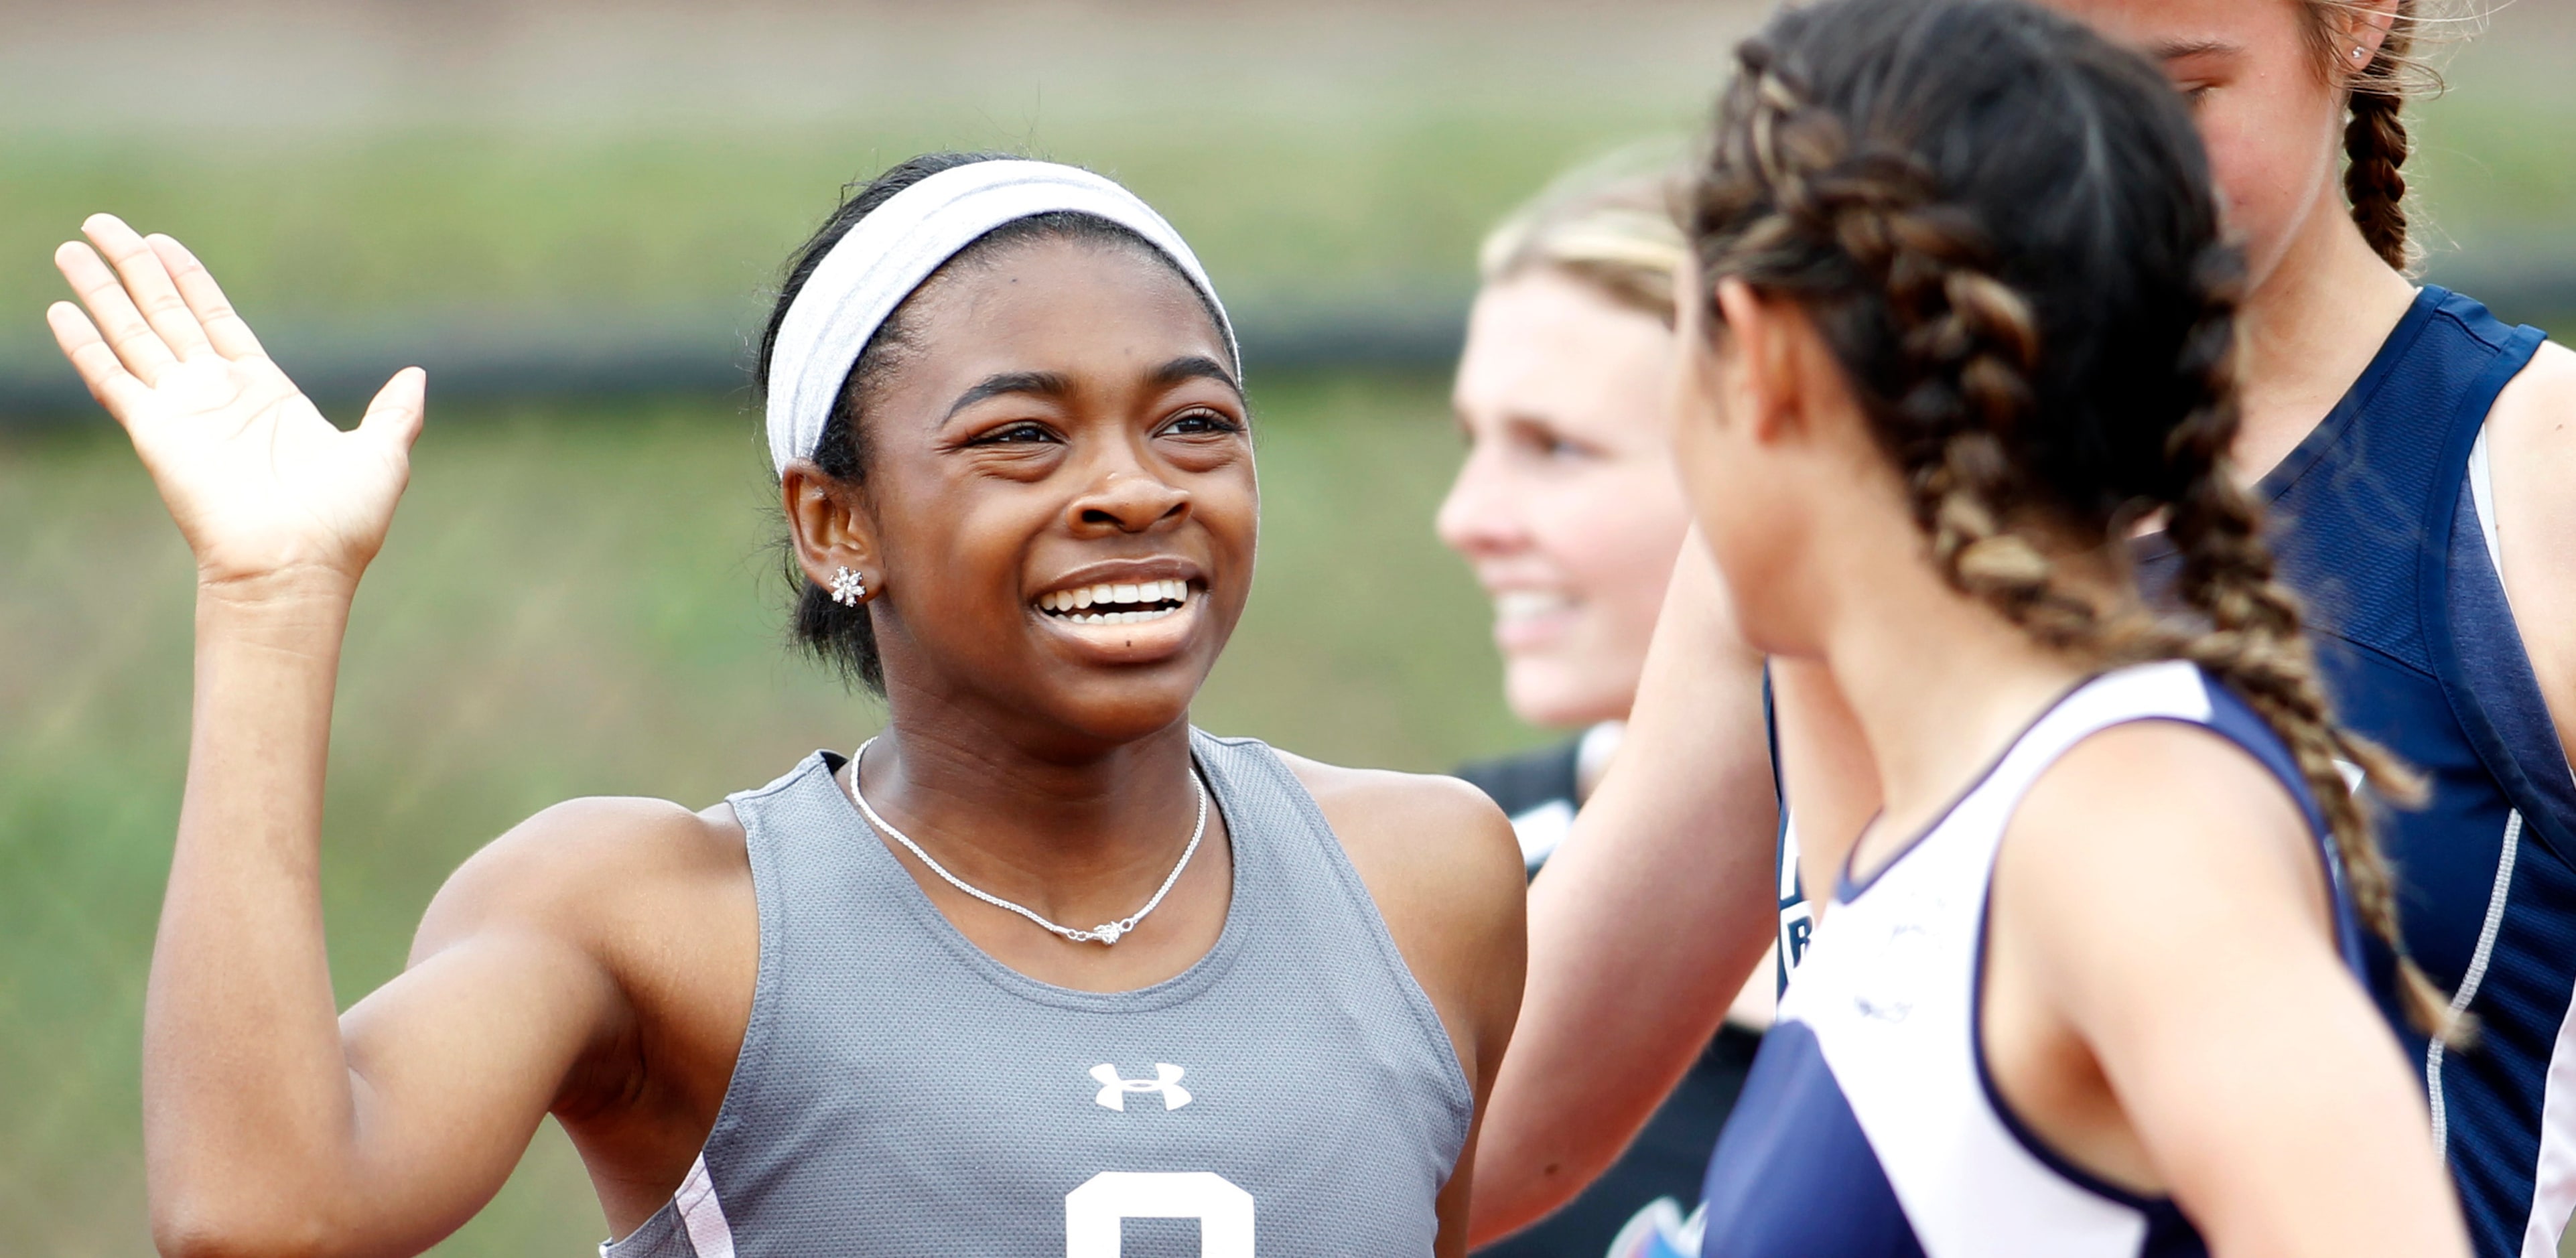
[[848, 588], [2359, 54]]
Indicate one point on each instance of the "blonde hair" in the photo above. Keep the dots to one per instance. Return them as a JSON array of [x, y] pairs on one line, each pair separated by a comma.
[[1607, 224]]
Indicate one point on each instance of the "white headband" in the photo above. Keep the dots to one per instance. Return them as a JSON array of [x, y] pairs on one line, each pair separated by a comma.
[[870, 271]]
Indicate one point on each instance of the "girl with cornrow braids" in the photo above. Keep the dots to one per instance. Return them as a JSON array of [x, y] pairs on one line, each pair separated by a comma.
[[2095, 979], [2415, 460], [1964, 316]]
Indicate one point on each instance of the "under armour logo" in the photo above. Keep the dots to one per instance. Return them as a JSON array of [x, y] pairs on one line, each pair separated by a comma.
[[1166, 1080]]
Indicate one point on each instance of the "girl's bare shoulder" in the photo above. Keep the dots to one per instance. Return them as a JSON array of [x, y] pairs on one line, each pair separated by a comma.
[[1409, 828], [2157, 828], [1439, 859], [609, 873]]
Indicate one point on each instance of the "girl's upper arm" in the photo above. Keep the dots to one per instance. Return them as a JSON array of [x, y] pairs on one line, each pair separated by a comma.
[[509, 991], [2169, 905], [2532, 432], [1649, 918]]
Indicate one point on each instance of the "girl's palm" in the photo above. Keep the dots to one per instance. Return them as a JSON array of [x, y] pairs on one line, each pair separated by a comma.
[[260, 483]]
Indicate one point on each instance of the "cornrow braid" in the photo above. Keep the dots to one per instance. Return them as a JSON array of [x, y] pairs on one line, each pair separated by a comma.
[[2130, 411], [1966, 341]]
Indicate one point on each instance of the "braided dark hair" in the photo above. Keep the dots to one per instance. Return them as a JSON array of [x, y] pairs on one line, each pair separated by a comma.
[[2004, 228], [2375, 143]]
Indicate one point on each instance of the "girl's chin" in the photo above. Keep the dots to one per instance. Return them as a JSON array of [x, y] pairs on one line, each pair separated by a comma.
[[1554, 698]]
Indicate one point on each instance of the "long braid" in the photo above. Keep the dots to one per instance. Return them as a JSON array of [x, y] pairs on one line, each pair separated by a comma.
[[2375, 146], [1788, 202], [2254, 639]]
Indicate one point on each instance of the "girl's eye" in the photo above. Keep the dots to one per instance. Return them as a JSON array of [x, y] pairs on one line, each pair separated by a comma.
[[1551, 446], [1015, 434], [1201, 423]]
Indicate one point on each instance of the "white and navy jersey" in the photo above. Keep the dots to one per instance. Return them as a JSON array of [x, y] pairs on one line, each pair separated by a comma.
[[2381, 523], [1797, 917], [1870, 1128]]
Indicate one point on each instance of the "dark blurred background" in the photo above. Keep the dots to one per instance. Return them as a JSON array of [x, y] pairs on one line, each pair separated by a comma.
[[571, 213]]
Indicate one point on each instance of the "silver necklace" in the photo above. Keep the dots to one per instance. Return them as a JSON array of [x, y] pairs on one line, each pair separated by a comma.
[[1104, 933]]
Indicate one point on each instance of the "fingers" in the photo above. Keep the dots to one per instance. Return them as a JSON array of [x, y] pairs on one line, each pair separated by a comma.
[[399, 408], [113, 314], [148, 283], [230, 336], [99, 368]]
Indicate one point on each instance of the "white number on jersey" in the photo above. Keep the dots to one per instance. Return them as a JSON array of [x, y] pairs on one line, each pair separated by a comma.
[[1093, 1211]]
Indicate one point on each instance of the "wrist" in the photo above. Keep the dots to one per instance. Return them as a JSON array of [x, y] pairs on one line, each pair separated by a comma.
[[302, 588], [302, 613]]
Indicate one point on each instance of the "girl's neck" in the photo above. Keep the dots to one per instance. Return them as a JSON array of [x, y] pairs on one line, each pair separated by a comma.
[[2311, 328], [1939, 685], [1051, 831]]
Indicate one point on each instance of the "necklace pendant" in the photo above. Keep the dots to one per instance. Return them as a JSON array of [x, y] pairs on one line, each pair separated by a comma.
[[1108, 932]]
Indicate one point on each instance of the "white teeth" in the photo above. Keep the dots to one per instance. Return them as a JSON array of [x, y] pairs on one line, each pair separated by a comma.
[[1528, 604], [1071, 602], [1121, 618]]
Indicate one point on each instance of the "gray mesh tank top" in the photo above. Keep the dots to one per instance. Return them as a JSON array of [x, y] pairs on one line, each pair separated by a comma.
[[899, 1092]]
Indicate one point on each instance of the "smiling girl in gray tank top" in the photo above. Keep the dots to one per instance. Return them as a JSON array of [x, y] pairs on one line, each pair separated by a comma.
[[840, 1014], [898, 1087]]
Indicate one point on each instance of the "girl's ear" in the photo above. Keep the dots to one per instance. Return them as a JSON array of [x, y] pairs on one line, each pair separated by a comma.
[[2358, 30], [829, 525], [1761, 379]]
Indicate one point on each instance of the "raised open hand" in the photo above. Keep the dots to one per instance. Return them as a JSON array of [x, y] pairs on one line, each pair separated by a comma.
[[261, 485]]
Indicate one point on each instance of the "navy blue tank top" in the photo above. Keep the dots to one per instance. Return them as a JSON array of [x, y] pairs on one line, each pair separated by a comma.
[[2377, 527]]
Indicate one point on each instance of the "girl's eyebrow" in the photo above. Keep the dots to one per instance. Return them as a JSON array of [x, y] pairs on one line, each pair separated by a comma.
[[2177, 49], [1041, 383], [1195, 367], [1053, 384]]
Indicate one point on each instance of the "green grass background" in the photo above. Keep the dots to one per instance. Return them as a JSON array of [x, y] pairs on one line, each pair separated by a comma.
[[1357, 185]]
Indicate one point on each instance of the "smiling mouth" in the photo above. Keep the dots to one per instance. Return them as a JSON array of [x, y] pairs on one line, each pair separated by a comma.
[[1517, 606], [1117, 603]]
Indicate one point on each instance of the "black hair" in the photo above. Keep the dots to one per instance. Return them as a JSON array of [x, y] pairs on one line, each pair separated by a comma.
[[2004, 227], [845, 637]]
